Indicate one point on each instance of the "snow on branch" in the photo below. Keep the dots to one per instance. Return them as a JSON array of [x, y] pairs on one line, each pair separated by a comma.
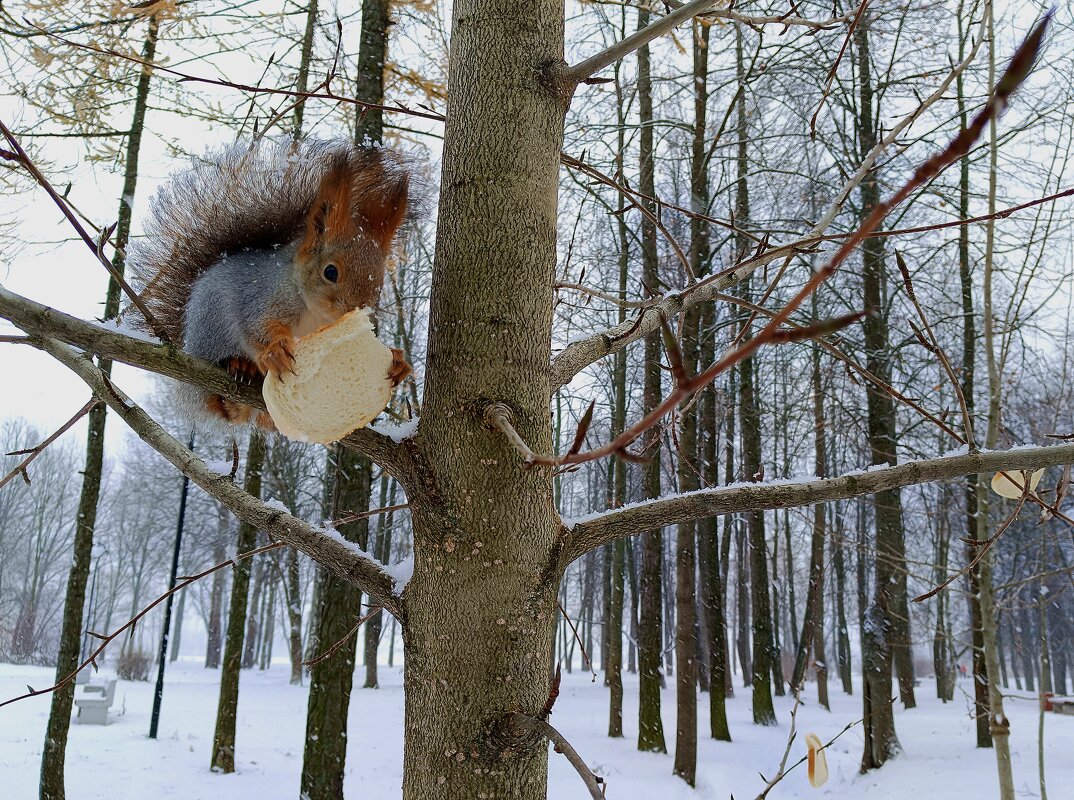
[[590, 532], [106, 341], [333, 552]]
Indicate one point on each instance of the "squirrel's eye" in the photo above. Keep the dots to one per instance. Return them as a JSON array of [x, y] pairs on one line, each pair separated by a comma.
[[331, 273]]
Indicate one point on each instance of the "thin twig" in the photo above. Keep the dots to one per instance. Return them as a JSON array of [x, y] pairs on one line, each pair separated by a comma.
[[34, 452], [313, 661], [96, 247], [561, 745]]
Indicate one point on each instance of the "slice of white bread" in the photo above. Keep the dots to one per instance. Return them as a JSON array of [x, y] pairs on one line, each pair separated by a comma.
[[341, 382]]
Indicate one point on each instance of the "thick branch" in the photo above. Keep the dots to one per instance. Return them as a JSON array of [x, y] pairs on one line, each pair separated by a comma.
[[587, 534], [41, 321], [334, 553]]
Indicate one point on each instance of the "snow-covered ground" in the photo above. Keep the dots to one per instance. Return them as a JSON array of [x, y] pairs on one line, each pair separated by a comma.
[[118, 761]]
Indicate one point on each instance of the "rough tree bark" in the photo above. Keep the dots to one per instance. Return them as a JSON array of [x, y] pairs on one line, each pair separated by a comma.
[[762, 658], [883, 630], [479, 609], [59, 720]]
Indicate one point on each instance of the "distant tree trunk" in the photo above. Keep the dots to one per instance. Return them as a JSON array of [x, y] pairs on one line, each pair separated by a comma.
[[253, 621], [617, 563], [886, 626], [712, 585], [223, 759], [325, 755], [177, 636], [293, 596], [813, 622], [941, 644], [375, 626], [998, 724], [969, 343], [749, 411], [214, 633], [59, 720], [842, 651], [742, 605], [777, 645], [650, 639], [631, 549], [268, 629]]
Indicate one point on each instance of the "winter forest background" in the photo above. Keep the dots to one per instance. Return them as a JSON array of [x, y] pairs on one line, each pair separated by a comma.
[[712, 145]]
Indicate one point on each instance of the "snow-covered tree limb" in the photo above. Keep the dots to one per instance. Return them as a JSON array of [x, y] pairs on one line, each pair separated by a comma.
[[109, 342], [591, 532], [333, 552]]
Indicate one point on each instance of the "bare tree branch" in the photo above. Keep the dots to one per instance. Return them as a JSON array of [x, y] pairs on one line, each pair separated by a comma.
[[681, 13], [33, 452], [41, 321], [580, 354], [589, 533], [333, 552]]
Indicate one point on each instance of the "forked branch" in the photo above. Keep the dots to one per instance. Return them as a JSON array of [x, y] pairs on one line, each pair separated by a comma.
[[333, 552]]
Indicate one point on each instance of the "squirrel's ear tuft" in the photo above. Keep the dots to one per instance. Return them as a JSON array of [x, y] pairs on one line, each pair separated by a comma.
[[380, 198], [330, 215]]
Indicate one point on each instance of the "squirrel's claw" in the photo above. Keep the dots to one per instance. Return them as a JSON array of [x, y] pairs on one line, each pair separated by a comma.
[[278, 355], [243, 370]]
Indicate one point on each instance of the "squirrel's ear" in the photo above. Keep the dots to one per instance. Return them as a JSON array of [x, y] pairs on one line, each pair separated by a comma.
[[380, 198], [330, 215]]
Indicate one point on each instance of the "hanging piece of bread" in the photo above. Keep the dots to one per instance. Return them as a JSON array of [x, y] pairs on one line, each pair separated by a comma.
[[340, 382], [1012, 489], [817, 763]]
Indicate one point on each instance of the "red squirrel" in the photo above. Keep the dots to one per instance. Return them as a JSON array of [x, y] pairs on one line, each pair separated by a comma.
[[254, 247]]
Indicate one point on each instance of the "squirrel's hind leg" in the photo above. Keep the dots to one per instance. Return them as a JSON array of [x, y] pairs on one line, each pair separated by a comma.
[[238, 413]]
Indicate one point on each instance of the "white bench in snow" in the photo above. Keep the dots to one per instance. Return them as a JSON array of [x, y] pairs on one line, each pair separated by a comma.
[[93, 701]]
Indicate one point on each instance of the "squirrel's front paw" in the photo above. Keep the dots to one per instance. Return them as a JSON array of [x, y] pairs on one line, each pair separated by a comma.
[[399, 368], [277, 355]]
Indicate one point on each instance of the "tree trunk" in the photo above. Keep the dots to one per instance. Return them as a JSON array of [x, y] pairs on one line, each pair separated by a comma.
[[843, 634], [749, 411], [650, 638], [59, 720], [969, 340], [490, 333], [177, 636], [325, 755], [293, 596], [253, 621], [223, 759], [214, 638], [616, 580], [375, 626], [813, 621], [998, 725]]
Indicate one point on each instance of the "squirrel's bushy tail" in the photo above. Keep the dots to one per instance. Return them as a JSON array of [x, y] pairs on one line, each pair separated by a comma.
[[241, 197]]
